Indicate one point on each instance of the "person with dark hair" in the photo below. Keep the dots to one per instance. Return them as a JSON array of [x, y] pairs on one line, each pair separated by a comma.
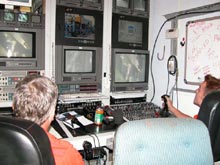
[[35, 99], [209, 84]]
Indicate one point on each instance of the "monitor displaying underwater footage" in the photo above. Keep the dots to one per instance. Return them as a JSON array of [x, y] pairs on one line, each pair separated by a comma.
[[130, 70], [15, 44], [78, 69], [130, 67], [79, 61]]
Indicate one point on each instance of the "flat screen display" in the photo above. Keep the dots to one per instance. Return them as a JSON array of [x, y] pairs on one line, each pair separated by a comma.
[[78, 61], [15, 44], [130, 68], [79, 26], [130, 31]]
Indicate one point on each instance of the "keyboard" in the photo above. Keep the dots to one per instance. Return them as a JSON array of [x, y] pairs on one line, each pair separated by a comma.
[[137, 111]]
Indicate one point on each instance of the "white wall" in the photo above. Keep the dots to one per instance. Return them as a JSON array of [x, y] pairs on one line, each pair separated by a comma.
[[158, 9]]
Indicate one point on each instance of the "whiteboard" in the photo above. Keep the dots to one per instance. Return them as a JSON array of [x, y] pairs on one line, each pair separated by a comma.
[[202, 55]]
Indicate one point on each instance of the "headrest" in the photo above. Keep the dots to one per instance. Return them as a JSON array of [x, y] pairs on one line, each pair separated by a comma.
[[162, 141], [23, 142], [209, 113]]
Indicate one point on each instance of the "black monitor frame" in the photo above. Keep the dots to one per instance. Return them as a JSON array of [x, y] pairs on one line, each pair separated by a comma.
[[129, 45], [60, 25], [129, 86]]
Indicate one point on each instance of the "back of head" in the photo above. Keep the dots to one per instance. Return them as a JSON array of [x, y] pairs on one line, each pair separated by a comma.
[[35, 98], [209, 113]]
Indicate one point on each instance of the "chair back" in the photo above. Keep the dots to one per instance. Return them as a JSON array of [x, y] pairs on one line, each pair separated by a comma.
[[23, 142], [209, 113], [165, 141]]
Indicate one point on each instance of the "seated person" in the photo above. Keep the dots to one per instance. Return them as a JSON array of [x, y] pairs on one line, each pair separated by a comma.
[[35, 99], [209, 84]]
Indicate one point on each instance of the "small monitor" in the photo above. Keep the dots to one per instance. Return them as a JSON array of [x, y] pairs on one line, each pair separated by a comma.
[[17, 44], [35, 19], [22, 17], [122, 3], [140, 5], [9, 16], [129, 70]]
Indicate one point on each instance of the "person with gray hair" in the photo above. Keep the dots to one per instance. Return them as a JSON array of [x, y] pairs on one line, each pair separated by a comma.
[[35, 99]]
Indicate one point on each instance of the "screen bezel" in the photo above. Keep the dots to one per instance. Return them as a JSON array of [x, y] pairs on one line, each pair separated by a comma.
[[129, 45], [60, 25], [129, 86]]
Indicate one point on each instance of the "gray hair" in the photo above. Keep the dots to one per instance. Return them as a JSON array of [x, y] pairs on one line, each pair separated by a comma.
[[35, 98]]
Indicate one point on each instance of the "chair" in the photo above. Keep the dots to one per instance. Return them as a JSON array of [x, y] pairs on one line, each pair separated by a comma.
[[23, 142], [209, 113], [162, 141]]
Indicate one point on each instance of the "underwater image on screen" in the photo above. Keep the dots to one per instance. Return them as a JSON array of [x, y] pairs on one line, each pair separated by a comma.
[[16, 44], [130, 67], [78, 61]]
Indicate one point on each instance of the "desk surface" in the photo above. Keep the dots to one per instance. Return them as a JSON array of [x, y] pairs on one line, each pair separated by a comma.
[[98, 135]]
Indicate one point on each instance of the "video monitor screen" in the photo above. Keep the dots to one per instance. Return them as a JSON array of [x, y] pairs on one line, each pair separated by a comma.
[[79, 26], [130, 31], [36, 19], [130, 67], [15, 44], [78, 61], [122, 3], [139, 5], [8, 16], [22, 17]]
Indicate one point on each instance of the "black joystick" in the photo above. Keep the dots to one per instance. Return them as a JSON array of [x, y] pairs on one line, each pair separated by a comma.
[[165, 112]]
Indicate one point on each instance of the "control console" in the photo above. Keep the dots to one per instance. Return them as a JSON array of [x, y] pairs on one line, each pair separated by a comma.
[[8, 81]]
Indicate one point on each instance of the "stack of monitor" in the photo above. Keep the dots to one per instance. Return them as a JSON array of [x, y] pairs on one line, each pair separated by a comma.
[[78, 49], [130, 55]]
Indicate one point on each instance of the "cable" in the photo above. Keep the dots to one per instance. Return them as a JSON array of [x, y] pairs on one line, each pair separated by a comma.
[[168, 82], [179, 15]]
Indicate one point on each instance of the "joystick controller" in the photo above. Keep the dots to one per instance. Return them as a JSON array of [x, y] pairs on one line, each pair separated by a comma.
[[164, 112]]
